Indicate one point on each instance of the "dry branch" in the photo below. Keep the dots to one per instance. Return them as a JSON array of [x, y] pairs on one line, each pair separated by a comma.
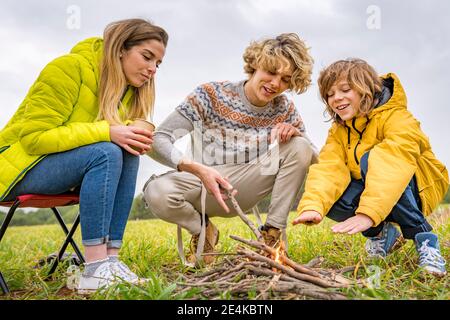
[[243, 216], [321, 282], [272, 252]]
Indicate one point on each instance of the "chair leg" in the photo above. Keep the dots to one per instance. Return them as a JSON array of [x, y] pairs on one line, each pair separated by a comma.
[[66, 231], [3, 284], [8, 218], [64, 246], [5, 224]]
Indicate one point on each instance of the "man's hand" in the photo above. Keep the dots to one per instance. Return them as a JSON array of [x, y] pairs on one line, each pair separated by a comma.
[[308, 218], [213, 181], [283, 132], [358, 223]]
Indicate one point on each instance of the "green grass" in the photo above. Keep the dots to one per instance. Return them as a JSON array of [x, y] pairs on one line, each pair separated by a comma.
[[150, 250]]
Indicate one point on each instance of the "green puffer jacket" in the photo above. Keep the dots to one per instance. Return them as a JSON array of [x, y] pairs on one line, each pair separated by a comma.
[[58, 114]]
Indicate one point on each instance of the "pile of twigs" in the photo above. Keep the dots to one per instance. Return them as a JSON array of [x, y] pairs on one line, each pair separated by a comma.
[[267, 272], [257, 272]]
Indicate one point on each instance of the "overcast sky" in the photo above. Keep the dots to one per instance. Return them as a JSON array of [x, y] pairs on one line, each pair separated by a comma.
[[207, 39]]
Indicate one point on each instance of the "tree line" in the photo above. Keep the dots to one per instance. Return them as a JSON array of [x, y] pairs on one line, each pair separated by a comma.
[[138, 212]]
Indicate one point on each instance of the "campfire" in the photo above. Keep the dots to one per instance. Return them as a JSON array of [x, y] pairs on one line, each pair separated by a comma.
[[267, 272]]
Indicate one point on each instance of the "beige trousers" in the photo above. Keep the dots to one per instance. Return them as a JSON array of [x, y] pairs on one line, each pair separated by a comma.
[[175, 196]]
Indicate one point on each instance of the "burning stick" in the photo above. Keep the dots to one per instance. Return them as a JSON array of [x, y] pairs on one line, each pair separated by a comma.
[[282, 258], [242, 215], [305, 277]]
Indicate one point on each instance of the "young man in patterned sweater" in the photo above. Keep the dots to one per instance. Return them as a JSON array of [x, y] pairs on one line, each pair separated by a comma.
[[245, 136]]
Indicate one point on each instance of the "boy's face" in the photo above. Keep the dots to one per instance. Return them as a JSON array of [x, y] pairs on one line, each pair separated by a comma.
[[344, 101], [264, 86]]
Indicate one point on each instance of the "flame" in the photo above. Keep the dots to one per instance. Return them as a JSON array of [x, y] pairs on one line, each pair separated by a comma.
[[279, 253]]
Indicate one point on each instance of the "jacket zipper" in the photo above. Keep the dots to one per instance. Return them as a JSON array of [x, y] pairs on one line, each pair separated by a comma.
[[3, 148], [19, 176], [360, 133], [359, 140]]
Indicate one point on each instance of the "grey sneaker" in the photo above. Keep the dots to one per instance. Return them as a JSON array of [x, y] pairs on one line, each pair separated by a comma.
[[121, 270], [387, 241], [101, 279], [430, 258]]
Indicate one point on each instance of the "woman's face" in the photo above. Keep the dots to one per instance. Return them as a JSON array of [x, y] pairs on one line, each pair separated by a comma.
[[139, 63], [264, 86], [344, 100]]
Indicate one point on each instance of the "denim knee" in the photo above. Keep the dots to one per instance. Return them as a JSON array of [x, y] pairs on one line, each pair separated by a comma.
[[109, 149], [108, 152], [364, 164]]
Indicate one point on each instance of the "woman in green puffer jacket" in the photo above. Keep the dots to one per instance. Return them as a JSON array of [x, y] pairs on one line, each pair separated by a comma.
[[70, 132]]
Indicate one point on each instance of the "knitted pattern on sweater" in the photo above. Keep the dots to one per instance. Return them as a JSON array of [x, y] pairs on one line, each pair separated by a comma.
[[232, 129]]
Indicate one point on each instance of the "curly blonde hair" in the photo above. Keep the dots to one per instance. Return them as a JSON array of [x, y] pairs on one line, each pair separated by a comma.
[[360, 76], [279, 54]]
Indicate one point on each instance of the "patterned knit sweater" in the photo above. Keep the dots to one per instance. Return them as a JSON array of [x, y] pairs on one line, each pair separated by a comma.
[[224, 126]]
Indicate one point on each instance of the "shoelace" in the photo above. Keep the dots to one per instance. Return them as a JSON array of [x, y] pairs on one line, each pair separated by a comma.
[[121, 270], [429, 255], [375, 246], [105, 275]]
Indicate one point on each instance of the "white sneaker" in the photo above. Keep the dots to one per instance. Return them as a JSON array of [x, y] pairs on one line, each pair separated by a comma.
[[121, 270], [102, 278]]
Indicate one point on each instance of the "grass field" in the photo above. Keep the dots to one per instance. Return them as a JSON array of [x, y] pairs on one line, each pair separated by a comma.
[[150, 251]]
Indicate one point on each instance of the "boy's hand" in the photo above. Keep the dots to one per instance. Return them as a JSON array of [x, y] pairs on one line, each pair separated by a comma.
[[358, 223], [308, 217]]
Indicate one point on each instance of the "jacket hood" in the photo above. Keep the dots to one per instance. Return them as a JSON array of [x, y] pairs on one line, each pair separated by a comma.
[[92, 50], [396, 101], [398, 98]]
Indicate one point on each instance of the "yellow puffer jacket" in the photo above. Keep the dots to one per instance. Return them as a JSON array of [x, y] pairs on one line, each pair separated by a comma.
[[398, 151], [58, 114]]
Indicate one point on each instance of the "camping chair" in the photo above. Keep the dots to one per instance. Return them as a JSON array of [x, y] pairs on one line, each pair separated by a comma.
[[45, 201]]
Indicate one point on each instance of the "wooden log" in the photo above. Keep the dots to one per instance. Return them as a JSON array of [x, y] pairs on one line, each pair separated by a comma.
[[313, 293], [314, 262], [267, 272], [306, 277], [210, 272]]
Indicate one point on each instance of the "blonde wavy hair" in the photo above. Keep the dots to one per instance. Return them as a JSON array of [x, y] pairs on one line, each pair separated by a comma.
[[278, 54], [118, 36], [360, 76]]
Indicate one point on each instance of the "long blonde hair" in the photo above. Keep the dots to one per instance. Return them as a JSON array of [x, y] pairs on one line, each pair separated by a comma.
[[360, 76], [279, 53], [118, 36]]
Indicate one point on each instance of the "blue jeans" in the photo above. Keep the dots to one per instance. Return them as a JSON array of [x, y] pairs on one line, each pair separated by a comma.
[[407, 212], [106, 176]]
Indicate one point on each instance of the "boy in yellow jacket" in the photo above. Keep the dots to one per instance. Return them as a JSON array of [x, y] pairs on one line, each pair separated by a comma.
[[376, 167]]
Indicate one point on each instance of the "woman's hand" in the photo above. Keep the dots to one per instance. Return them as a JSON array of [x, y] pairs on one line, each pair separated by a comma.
[[129, 136], [308, 217], [213, 181], [284, 132], [359, 223]]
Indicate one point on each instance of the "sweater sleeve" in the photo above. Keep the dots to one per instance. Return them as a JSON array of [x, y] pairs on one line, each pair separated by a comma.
[[327, 179], [174, 127], [49, 106]]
